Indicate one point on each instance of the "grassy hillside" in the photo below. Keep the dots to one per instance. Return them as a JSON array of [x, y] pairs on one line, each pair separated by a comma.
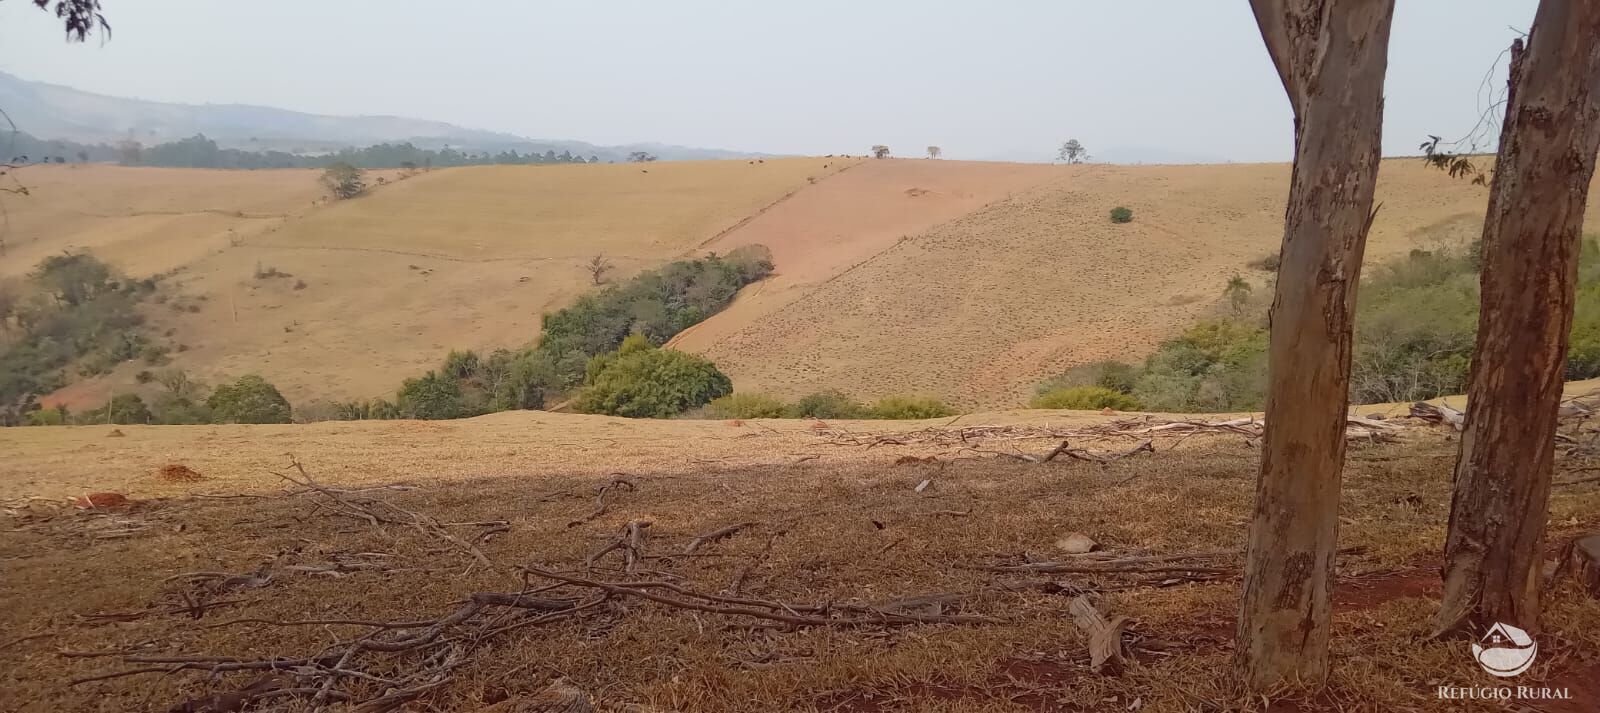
[[967, 281], [979, 309], [380, 287], [146, 220]]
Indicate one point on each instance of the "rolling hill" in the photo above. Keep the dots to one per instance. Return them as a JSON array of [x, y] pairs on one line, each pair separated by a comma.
[[967, 281], [52, 111]]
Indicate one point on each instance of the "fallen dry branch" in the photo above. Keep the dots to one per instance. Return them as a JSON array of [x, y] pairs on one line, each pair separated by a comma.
[[1098, 563], [1145, 429], [778, 612], [316, 677], [378, 513], [738, 581], [1105, 636], [1439, 415], [601, 501], [716, 535]]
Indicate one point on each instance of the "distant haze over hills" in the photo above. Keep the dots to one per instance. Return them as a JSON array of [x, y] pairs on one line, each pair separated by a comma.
[[50, 111]]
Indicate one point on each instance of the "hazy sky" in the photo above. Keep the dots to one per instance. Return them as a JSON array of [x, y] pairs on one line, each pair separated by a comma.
[[1004, 79]]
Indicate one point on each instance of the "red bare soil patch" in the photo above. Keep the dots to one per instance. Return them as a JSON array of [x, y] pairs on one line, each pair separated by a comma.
[[178, 473], [100, 500], [1367, 592]]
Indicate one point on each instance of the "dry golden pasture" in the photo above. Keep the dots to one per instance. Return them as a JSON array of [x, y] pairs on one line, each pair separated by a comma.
[[380, 287], [979, 309], [144, 220], [99, 607], [965, 280]]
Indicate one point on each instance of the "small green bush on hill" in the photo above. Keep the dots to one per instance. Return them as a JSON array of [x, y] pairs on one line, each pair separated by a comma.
[[640, 380], [1085, 398], [910, 408], [1114, 375], [829, 404], [747, 406], [1415, 328]]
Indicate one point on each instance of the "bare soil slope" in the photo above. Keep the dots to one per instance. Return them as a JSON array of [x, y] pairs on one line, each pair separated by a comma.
[[378, 288], [978, 309], [849, 219]]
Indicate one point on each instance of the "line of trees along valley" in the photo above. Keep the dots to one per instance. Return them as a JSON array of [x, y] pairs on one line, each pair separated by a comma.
[[202, 152]]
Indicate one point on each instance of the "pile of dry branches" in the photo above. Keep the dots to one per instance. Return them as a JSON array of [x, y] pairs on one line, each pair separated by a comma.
[[1148, 431]]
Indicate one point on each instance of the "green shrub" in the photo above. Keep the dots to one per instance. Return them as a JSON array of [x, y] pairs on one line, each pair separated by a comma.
[[1114, 375], [828, 404], [58, 416], [1085, 398], [432, 396], [519, 380], [127, 408], [754, 262], [642, 381], [747, 406], [360, 410], [176, 410], [1121, 214], [910, 408], [461, 365], [251, 399]]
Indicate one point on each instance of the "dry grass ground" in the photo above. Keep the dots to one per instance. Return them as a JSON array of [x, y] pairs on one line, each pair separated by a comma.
[[145, 220], [380, 287], [979, 309], [856, 530]]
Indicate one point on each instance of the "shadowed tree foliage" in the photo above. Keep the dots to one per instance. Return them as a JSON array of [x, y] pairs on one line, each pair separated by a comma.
[[344, 180], [80, 17]]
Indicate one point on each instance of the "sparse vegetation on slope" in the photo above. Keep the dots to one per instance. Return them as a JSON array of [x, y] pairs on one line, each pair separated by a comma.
[[1416, 323], [1085, 398]]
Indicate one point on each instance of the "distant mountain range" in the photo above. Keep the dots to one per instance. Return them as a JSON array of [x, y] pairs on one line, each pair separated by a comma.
[[51, 111]]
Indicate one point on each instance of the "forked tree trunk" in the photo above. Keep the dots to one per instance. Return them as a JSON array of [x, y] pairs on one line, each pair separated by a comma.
[[1331, 56], [1531, 238]]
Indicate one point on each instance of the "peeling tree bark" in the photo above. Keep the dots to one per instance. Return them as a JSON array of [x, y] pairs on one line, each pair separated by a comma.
[[1531, 240], [1331, 56]]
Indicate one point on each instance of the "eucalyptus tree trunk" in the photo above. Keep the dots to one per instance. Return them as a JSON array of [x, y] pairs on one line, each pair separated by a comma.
[[1331, 56], [1531, 238]]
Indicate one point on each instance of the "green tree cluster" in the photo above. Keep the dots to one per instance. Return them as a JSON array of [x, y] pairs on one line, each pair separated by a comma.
[[72, 310]]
